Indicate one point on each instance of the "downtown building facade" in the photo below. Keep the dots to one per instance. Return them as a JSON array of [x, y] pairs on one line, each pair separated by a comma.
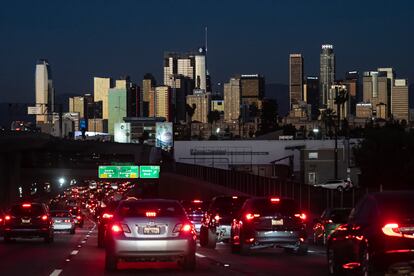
[[295, 79], [327, 73], [202, 102], [45, 92], [232, 100]]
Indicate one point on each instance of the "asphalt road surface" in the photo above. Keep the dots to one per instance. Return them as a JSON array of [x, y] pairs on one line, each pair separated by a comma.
[[78, 254]]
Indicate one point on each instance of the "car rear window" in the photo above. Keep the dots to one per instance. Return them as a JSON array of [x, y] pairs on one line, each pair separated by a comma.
[[397, 205], [33, 210], [57, 214], [266, 207], [339, 215], [228, 204], [140, 209]]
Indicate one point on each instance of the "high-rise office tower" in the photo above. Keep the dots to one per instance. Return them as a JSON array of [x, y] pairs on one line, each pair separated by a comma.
[[311, 95], [232, 100], [45, 92], [117, 107], [133, 100], [77, 104], [399, 100], [376, 91], [295, 79], [327, 73], [162, 101], [101, 88], [390, 73], [352, 84], [200, 70], [148, 85], [176, 64], [202, 101], [252, 89]]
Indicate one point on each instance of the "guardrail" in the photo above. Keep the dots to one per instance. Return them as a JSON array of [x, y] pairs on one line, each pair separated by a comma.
[[313, 199]]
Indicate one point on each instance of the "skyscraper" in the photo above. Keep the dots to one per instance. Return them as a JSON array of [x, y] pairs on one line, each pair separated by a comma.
[[376, 91], [399, 100], [117, 107], [295, 79], [311, 95], [101, 88], [200, 70], [390, 73], [163, 102], [352, 84], [327, 73], [232, 100], [252, 89], [202, 101], [45, 92], [148, 85]]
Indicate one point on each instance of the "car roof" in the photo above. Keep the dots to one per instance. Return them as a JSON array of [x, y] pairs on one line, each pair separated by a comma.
[[381, 196]]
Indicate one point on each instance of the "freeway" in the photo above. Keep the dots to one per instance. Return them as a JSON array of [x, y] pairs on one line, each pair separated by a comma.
[[79, 255]]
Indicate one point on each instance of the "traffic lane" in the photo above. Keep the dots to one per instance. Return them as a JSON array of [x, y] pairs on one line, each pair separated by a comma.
[[34, 256], [268, 261], [90, 260]]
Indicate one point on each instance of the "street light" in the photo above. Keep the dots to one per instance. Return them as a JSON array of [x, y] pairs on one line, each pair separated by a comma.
[[61, 181], [218, 130]]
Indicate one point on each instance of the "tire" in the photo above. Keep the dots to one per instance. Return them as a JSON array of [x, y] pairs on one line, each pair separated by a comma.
[[189, 262], [302, 250], [211, 239], [110, 262], [203, 237], [333, 267], [72, 231], [49, 238], [7, 239]]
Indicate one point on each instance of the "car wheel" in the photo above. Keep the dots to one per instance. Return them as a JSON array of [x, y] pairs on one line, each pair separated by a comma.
[[7, 238], [211, 239], [110, 262], [302, 250], [333, 267], [340, 189], [189, 262], [203, 237]]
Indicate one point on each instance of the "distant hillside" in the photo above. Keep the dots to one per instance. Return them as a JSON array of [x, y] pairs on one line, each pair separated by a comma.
[[279, 92]]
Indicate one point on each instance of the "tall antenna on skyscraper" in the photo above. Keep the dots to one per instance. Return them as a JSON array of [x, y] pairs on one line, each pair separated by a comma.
[[205, 40]]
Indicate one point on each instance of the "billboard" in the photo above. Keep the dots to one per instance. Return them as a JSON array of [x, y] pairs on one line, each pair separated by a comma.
[[164, 136], [122, 132]]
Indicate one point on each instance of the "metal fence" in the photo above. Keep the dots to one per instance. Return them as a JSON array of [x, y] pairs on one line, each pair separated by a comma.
[[313, 199]]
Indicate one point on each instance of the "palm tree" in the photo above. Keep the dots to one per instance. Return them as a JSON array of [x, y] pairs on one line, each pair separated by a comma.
[[327, 116], [190, 110], [212, 117]]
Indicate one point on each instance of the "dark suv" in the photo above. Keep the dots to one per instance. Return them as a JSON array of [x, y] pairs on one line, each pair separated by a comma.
[[104, 218], [28, 220], [216, 224], [265, 222], [378, 236]]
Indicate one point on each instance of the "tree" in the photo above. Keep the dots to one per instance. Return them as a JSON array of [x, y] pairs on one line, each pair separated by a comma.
[[268, 116], [212, 117], [190, 110]]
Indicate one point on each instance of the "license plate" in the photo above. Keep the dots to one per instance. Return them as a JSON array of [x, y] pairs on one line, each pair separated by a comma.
[[276, 222], [25, 220], [151, 230], [58, 221]]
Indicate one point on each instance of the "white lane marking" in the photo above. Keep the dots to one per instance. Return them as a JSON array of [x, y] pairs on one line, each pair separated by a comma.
[[79, 246], [83, 242], [74, 252], [68, 260], [200, 255], [56, 272]]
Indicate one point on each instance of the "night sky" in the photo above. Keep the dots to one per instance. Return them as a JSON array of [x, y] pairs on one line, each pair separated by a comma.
[[82, 39]]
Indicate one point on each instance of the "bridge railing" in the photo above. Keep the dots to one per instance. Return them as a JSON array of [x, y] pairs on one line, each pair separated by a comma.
[[310, 198]]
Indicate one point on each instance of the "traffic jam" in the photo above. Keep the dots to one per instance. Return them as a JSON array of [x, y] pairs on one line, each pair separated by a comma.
[[375, 236]]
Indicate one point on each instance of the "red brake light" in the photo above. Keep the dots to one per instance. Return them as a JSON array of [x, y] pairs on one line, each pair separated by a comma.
[[302, 216], [116, 228], [150, 214], [234, 197], [27, 205], [392, 229], [250, 216], [7, 218], [78, 217], [44, 217], [186, 228], [274, 199], [217, 217], [197, 201], [107, 216]]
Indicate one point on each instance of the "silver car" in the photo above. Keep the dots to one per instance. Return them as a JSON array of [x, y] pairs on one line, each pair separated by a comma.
[[150, 230], [63, 221]]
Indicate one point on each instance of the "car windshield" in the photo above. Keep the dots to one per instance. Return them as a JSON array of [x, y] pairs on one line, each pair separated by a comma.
[[31, 210], [266, 207], [228, 204], [142, 208]]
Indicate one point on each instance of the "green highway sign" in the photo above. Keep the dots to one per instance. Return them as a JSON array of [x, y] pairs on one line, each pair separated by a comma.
[[149, 172], [118, 171]]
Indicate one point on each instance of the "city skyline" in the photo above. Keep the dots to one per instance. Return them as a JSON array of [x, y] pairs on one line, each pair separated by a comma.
[[231, 51]]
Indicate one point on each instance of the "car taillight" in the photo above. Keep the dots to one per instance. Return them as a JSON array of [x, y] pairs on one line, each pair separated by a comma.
[[116, 228], [302, 216], [150, 214], [217, 218], [392, 229], [26, 205], [7, 218], [119, 228], [274, 200], [78, 217], [250, 216], [197, 201], [183, 228], [107, 216], [44, 217]]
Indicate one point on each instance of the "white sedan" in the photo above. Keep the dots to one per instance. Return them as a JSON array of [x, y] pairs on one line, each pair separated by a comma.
[[336, 184]]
